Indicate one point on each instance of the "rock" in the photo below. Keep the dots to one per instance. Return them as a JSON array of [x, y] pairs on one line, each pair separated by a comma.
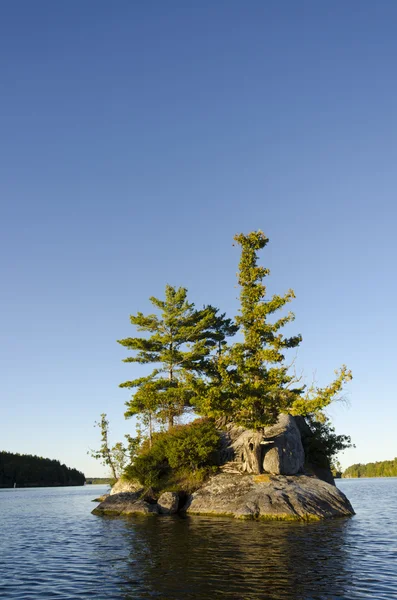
[[125, 485], [240, 449], [323, 470], [277, 449], [283, 450], [168, 503], [100, 498], [125, 503], [269, 497]]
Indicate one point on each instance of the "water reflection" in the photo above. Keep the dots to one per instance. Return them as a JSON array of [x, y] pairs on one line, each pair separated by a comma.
[[200, 557]]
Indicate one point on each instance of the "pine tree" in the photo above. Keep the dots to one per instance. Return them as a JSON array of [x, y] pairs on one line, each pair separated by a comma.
[[255, 381], [179, 344], [255, 384]]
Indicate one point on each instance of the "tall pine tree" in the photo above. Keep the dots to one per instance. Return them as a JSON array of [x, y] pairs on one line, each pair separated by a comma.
[[254, 384], [179, 344]]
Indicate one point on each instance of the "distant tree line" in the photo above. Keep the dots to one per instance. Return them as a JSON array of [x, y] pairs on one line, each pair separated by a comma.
[[384, 468], [99, 480], [26, 470]]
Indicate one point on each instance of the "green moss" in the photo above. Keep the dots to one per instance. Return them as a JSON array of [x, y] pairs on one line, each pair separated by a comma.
[[268, 517]]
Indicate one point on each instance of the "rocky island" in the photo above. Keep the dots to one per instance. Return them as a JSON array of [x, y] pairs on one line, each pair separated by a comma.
[[261, 476], [263, 447]]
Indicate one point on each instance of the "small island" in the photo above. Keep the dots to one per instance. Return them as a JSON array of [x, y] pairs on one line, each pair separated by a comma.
[[26, 470], [262, 447]]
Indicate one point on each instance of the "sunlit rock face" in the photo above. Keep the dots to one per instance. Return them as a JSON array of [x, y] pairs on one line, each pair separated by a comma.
[[269, 497], [283, 450], [277, 449], [262, 475], [123, 485]]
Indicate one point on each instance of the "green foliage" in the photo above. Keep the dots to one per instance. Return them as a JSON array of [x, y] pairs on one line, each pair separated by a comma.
[[192, 445], [316, 399], [117, 456], [100, 481], [254, 383], [182, 448], [248, 382], [322, 447], [384, 468], [180, 341], [26, 470]]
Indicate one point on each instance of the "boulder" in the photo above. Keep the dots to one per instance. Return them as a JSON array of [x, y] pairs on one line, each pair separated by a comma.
[[168, 503], [268, 497], [240, 449], [125, 485], [277, 449], [321, 468], [100, 498], [283, 450], [126, 503]]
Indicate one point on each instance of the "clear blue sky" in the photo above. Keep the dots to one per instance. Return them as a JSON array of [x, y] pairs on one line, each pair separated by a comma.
[[136, 139]]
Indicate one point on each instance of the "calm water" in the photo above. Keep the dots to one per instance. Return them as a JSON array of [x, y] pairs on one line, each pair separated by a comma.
[[52, 547]]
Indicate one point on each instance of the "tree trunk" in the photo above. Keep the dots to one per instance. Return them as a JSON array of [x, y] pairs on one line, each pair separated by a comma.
[[150, 429], [170, 377], [253, 454]]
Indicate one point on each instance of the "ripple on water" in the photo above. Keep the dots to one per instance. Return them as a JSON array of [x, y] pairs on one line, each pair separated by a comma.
[[52, 547]]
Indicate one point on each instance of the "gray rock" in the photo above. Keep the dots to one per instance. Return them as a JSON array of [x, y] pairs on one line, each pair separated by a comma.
[[296, 497], [168, 503], [126, 503], [125, 485], [283, 450], [100, 498], [240, 449], [277, 449], [323, 470]]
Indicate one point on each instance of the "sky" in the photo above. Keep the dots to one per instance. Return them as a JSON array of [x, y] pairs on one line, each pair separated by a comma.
[[137, 138]]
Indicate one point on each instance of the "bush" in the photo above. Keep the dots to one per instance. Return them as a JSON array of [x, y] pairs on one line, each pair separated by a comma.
[[192, 445], [184, 448], [323, 445]]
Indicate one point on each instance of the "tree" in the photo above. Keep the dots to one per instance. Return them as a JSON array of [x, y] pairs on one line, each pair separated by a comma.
[[116, 457], [254, 379], [255, 384], [179, 344]]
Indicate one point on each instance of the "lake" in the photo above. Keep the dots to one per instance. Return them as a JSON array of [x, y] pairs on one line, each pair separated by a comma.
[[52, 547]]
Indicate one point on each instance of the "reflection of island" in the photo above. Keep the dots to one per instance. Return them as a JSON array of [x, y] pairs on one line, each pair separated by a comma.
[[24, 470], [201, 558]]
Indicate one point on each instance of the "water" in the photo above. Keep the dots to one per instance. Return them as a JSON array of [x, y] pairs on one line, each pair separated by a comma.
[[52, 547]]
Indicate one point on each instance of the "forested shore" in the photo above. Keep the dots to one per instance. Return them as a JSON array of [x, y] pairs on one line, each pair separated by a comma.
[[25, 470], [384, 468]]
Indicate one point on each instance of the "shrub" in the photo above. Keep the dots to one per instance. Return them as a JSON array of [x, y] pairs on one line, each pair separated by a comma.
[[183, 448], [324, 444], [192, 445]]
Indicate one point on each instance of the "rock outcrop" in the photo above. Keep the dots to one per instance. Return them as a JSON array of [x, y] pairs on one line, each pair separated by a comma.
[[126, 503], [283, 451], [269, 497], [263, 475], [168, 503], [277, 450], [123, 485]]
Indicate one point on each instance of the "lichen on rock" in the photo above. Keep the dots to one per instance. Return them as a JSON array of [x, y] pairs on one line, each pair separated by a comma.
[[296, 497]]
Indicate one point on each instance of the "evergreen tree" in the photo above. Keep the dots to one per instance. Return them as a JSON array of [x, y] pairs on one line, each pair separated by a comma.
[[179, 344], [255, 384], [255, 381]]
